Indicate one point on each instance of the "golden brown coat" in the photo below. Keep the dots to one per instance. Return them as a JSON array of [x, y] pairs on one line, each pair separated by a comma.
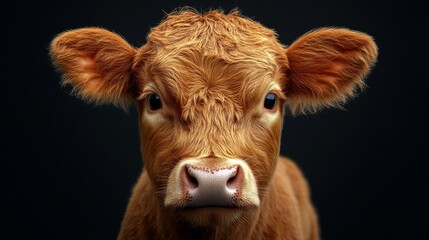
[[212, 72]]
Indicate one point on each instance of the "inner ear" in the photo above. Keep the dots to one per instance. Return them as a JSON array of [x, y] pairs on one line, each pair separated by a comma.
[[96, 62], [326, 67]]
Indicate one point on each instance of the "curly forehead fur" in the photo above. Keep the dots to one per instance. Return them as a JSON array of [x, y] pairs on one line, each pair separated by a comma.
[[211, 60]]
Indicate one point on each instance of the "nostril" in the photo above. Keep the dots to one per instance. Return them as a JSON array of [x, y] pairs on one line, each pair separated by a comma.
[[231, 182], [235, 182], [189, 181], [193, 183]]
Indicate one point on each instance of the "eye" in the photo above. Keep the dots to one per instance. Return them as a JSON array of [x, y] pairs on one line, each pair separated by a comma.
[[270, 101], [154, 102]]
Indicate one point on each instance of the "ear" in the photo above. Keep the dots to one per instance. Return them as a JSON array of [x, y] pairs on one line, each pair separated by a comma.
[[326, 67], [96, 62]]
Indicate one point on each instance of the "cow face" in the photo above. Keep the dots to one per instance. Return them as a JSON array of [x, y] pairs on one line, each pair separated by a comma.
[[211, 90]]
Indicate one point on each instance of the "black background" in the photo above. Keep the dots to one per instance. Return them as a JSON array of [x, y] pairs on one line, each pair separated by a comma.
[[68, 166]]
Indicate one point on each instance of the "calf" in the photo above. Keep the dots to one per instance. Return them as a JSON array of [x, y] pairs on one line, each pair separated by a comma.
[[211, 91]]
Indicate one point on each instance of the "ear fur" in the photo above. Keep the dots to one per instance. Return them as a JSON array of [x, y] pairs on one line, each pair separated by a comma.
[[96, 62], [326, 67]]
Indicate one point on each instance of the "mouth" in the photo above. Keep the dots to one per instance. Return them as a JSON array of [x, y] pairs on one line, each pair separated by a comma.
[[212, 210], [211, 216]]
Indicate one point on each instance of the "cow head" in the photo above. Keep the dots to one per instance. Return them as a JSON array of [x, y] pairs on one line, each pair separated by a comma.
[[211, 90]]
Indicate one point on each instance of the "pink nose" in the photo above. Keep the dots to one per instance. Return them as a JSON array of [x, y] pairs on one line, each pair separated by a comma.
[[212, 187]]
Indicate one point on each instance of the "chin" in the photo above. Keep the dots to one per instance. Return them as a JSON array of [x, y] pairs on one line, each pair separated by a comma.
[[212, 216]]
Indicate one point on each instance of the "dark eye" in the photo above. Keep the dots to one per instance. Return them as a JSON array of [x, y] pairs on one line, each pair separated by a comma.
[[154, 102], [270, 101]]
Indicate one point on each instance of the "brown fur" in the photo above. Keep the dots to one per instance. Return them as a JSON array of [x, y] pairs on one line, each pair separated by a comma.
[[212, 71], [327, 65], [96, 63]]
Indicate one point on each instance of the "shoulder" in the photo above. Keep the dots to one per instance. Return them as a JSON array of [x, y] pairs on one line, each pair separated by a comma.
[[288, 165], [296, 177]]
